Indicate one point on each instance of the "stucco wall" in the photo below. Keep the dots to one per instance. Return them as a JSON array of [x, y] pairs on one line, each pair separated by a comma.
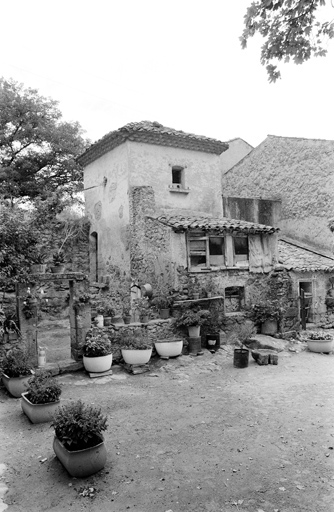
[[300, 172], [237, 150], [152, 165], [107, 206]]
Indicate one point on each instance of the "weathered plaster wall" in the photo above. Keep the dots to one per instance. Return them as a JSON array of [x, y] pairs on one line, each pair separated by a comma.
[[237, 150], [107, 206], [297, 171], [152, 165]]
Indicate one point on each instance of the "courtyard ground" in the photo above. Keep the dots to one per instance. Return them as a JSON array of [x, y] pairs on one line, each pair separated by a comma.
[[193, 434]]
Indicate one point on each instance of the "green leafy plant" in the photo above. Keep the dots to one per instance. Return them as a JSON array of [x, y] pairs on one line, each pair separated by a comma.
[[79, 426], [134, 340], [192, 316], [43, 388], [16, 364], [269, 310], [96, 346], [81, 300], [58, 258], [318, 335], [39, 257]]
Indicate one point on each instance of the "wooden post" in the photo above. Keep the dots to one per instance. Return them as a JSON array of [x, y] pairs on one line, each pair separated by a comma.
[[303, 309]]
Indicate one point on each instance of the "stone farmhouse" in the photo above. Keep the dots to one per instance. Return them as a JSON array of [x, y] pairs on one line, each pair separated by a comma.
[[154, 198]]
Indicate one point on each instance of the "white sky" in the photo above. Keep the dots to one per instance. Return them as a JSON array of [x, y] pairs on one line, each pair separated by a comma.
[[178, 62]]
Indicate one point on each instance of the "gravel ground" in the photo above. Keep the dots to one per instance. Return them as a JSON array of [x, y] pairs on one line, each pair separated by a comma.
[[193, 434]]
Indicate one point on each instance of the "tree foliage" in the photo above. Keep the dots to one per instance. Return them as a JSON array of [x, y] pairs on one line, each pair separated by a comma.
[[291, 30], [38, 149]]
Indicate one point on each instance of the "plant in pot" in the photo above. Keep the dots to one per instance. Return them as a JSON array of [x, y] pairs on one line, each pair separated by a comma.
[[162, 302], [97, 356], [142, 306], [267, 314], [58, 259], [126, 311], [41, 399], [109, 315], [16, 370], [39, 262], [78, 441], [192, 318], [99, 319], [213, 326], [241, 338], [318, 341], [11, 330], [135, 346]]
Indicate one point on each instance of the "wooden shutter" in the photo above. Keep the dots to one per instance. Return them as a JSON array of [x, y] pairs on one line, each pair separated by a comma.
[[260, 253]]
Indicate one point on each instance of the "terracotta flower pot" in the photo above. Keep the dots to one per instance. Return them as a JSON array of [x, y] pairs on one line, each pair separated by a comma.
[[97, 364]]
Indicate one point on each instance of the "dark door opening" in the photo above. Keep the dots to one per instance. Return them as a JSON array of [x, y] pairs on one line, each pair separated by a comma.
[[306, 302]]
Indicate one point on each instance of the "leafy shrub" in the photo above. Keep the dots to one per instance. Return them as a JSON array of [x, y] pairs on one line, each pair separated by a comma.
[[79, 426], [192, 316], [135, 340], [58, 258], [270, 310], [318, 335], [43, 388], [16, 364], [96, 346]]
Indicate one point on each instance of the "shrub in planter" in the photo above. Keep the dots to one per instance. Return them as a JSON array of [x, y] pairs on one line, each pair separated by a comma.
[[135, 347], [78, 441], [16, 370], [192, 317], [97, 356], [265, 313], [41, 399], [318, 341]]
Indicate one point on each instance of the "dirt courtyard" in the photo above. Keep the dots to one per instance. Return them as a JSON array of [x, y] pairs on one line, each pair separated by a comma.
[[193, 434]]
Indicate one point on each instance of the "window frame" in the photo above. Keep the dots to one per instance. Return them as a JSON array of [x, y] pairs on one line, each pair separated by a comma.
[[230, 260]]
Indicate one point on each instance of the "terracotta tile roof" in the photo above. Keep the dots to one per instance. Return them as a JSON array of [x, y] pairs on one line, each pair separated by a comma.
[[300, 259], [151, 133], [220, 224]]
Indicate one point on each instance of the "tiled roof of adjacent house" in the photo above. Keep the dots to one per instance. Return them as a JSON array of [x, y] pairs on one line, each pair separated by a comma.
[[300, 259], [218, 224], [151, 133]]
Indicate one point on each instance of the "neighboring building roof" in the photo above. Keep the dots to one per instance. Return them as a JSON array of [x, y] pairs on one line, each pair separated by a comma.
[[220, 224], [300, 259], [151, 133]]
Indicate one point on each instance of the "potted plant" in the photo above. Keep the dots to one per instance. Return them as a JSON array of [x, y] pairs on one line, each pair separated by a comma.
[[192, 318], [318, 341], [169, 347], [126, 312], [16, 371], [163, 302], [97, 356], [99, 320], [267, 314], [39, 258], [241, 339], [109, 315], [214, 325], [78, 441], [142, 305], [41, 399], [135, 347], [58, 262], [210, 289]]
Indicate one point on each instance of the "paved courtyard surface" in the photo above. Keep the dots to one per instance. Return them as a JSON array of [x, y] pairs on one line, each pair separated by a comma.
[[194, 434]]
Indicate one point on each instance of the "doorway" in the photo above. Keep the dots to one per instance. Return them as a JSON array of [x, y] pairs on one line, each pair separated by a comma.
[[306, 298]]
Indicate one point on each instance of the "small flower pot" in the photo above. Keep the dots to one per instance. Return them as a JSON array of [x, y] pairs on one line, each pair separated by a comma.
[[144, 319], [38, 413], [169, 347], [81, 463], [107, 321], [58, 269], [99, 321], [136, 356], [16, 385], [194, 331], [324, 346], [164, 313], [97, 364], [127, 319]]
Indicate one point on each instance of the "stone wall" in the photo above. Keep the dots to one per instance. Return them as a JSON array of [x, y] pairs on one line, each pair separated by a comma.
[[297, 171]]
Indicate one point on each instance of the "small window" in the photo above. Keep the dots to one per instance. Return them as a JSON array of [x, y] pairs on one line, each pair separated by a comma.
[[234, 297], [178, 176], [241, 250]]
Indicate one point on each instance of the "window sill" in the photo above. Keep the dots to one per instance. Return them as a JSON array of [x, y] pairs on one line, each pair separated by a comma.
[[178, 190], [217, 269]]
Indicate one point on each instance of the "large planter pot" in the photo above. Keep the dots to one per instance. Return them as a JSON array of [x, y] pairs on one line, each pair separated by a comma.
[[169, 347], [58, 269], [320, 345], [194, 330], [269, 327], [136, 356], [81, 463], [97, 364], [16, 385], [38, 413]]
